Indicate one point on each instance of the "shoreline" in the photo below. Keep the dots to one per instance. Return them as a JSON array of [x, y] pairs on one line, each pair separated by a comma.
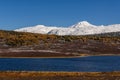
[[81, 55], [55, 72], [25, 75]]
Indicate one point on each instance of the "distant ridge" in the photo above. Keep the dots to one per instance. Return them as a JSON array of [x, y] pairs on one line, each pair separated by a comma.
[[81, 28]]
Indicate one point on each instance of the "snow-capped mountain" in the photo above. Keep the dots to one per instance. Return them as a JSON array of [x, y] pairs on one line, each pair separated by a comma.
[[37, 29], [81, 28]]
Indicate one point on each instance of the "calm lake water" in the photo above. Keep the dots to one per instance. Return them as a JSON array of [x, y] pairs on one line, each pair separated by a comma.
[[85, 64]]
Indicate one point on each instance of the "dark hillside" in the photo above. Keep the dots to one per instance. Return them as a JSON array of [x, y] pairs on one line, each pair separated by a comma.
[[108, 43]]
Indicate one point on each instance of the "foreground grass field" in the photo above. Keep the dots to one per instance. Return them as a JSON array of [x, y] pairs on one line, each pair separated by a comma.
[[59, 75]]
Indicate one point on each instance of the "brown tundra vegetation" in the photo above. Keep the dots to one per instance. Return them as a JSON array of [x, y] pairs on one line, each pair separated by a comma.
[[21, 44], [59, 75]]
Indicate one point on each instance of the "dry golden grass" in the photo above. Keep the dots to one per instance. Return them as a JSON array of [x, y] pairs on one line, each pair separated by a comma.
[[59, 75]]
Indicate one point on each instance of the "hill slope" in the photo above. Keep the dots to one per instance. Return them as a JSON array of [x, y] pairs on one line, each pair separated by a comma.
[[21, 44]]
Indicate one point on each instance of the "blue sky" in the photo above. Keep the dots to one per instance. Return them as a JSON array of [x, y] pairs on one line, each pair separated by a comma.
[[21, 13]]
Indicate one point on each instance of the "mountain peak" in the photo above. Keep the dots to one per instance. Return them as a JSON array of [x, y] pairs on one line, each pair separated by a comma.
[[82, 24], [85, 23]]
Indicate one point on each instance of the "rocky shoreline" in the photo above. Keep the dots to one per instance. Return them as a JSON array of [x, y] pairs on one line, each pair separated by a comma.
[[20, 53]]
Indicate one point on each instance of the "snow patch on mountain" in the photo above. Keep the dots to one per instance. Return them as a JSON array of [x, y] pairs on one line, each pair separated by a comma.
[[81, 28]]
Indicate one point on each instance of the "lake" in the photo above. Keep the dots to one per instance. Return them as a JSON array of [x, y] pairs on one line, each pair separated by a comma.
[[84, 64]]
